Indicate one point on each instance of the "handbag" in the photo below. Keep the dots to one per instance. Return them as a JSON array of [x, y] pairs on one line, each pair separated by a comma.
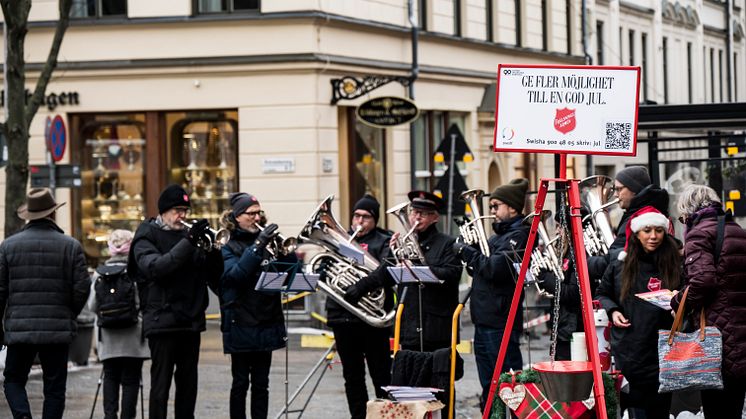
[[689, 361]]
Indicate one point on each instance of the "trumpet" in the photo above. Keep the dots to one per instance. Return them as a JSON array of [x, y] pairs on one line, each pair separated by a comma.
[[406, 247], [214, 240], [280, 245]]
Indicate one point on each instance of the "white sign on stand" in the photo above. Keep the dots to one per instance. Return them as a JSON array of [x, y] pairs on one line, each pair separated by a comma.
[[567, 109]]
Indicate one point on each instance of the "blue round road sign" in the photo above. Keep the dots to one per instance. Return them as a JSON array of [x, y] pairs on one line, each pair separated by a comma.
[[57, 138]]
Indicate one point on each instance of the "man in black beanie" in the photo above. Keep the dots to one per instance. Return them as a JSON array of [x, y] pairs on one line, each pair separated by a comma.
[[494, 282], [173, 268], [357, 341]]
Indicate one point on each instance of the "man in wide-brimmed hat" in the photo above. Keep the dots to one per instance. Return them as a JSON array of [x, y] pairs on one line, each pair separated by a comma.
[[44, 284]]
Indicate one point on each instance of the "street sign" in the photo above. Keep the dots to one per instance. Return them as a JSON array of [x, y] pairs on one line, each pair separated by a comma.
[[461, 149], [567, 109], [387, 111], [459, 187], [57, 138], [66, 176]]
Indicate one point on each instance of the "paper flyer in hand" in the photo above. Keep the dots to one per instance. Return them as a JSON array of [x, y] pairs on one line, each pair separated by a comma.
[[660, 298]]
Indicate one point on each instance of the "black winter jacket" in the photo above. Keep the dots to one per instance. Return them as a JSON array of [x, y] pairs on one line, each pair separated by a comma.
[[44, 284], [251, 320], [495, 277], [439, 300], [650, 195], [376, 243], [635, 348], [173, 277]]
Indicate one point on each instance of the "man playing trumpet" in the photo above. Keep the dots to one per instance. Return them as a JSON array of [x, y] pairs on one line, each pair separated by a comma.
[[174, 267], [494, 282]]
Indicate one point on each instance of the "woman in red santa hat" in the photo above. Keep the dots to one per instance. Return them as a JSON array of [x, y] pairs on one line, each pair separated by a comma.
[[650, 262]]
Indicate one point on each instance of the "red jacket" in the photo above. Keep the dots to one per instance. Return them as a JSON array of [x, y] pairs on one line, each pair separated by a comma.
[[720, 290]]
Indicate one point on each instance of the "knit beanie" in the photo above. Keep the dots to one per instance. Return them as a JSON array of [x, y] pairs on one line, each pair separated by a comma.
[[635, 178], [513, 194], [645, 217], [370, 204], [173, 196], [240, 202]]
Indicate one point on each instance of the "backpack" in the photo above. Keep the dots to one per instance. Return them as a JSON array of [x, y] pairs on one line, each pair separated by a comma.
[[115, 297]]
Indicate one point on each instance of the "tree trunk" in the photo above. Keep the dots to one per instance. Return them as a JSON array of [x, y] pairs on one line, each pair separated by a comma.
[[20, 114]]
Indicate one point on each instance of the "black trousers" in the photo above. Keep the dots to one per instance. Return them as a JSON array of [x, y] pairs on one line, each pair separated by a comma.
[[250, 368], [644, 401], [18, 363], [169, 351], [356, 344], [121, 372], [726, 403]]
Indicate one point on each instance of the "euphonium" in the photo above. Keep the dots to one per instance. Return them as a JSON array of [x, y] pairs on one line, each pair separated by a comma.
[[595, 195], [217, 240], [342, 269], [280, 245], [549, 259], [472, 231], [407, 247]]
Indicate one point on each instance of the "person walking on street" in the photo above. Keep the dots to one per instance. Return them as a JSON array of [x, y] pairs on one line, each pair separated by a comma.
[[718, 288], [121, 347], [251, 320], [44, 284], [173, 270]]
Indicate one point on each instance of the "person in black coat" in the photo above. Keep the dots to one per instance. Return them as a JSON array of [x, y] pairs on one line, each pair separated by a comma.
[[439, 301], [251, 320], [635, 190], [651, 262], [44, 284], [173, 273], [494, 282], [357, 341]]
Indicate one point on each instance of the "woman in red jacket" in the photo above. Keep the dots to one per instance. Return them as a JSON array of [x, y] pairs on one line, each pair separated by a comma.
[[720, 289]]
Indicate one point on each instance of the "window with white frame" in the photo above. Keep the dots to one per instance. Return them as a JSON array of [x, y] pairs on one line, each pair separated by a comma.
[[225, 6]]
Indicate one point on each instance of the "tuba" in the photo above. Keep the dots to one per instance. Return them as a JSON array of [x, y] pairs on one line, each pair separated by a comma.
[[472, 231], [406, 246], [596, 194], [346, 264], [549, 259]]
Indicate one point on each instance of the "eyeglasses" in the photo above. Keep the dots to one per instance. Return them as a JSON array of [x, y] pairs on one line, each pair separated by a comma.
[[180, 210], [423, 213], [496, 206], [619, 188], [362, 216], [253, 214]]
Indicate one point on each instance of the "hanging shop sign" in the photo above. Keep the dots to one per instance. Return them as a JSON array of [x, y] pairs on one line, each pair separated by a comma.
[[387, 111], [567, 109]]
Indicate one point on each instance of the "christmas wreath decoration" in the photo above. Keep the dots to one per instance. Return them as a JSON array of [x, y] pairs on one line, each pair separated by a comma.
[[531, 376]]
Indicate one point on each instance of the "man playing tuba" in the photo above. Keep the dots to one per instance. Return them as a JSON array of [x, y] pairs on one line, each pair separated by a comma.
[[358, 342], [494, 283], [438, 300]]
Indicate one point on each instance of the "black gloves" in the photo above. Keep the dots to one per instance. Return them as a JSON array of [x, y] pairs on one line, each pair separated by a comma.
[[199, 231], [354, 293], [266, 235], [464, 251], [321, 270]]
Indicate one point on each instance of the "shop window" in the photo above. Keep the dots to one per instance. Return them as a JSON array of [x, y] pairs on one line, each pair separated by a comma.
[[98, 8], [112, 156], [226, 6], [367, 161], [202, 150]]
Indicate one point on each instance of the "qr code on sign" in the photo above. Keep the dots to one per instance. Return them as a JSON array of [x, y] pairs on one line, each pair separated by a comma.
[[618, 135]]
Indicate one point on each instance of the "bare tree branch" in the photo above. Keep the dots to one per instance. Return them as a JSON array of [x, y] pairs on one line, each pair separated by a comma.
[[51, 64]]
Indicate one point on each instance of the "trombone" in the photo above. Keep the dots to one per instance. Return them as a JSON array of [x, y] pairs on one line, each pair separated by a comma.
[[216, 239]]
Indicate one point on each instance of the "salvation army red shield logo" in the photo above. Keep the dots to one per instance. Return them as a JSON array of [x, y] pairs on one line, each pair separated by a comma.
[[654, 284], [564, 120]]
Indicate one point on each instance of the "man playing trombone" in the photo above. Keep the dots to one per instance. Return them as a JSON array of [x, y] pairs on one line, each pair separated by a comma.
[[432, 330], [494, 281], [358, 342], [174, 266], [251, 320]]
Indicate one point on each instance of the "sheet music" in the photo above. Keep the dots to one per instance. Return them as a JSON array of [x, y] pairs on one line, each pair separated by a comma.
[[303, 282], [271, 281], [403, 274], [351, 252], [529, 276]]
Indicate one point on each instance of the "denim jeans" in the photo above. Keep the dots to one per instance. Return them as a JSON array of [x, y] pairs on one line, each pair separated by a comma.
[[18, 363], [486, 345]]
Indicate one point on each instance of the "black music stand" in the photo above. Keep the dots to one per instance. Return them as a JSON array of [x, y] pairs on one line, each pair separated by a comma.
[[406, 273], [286, 277]]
